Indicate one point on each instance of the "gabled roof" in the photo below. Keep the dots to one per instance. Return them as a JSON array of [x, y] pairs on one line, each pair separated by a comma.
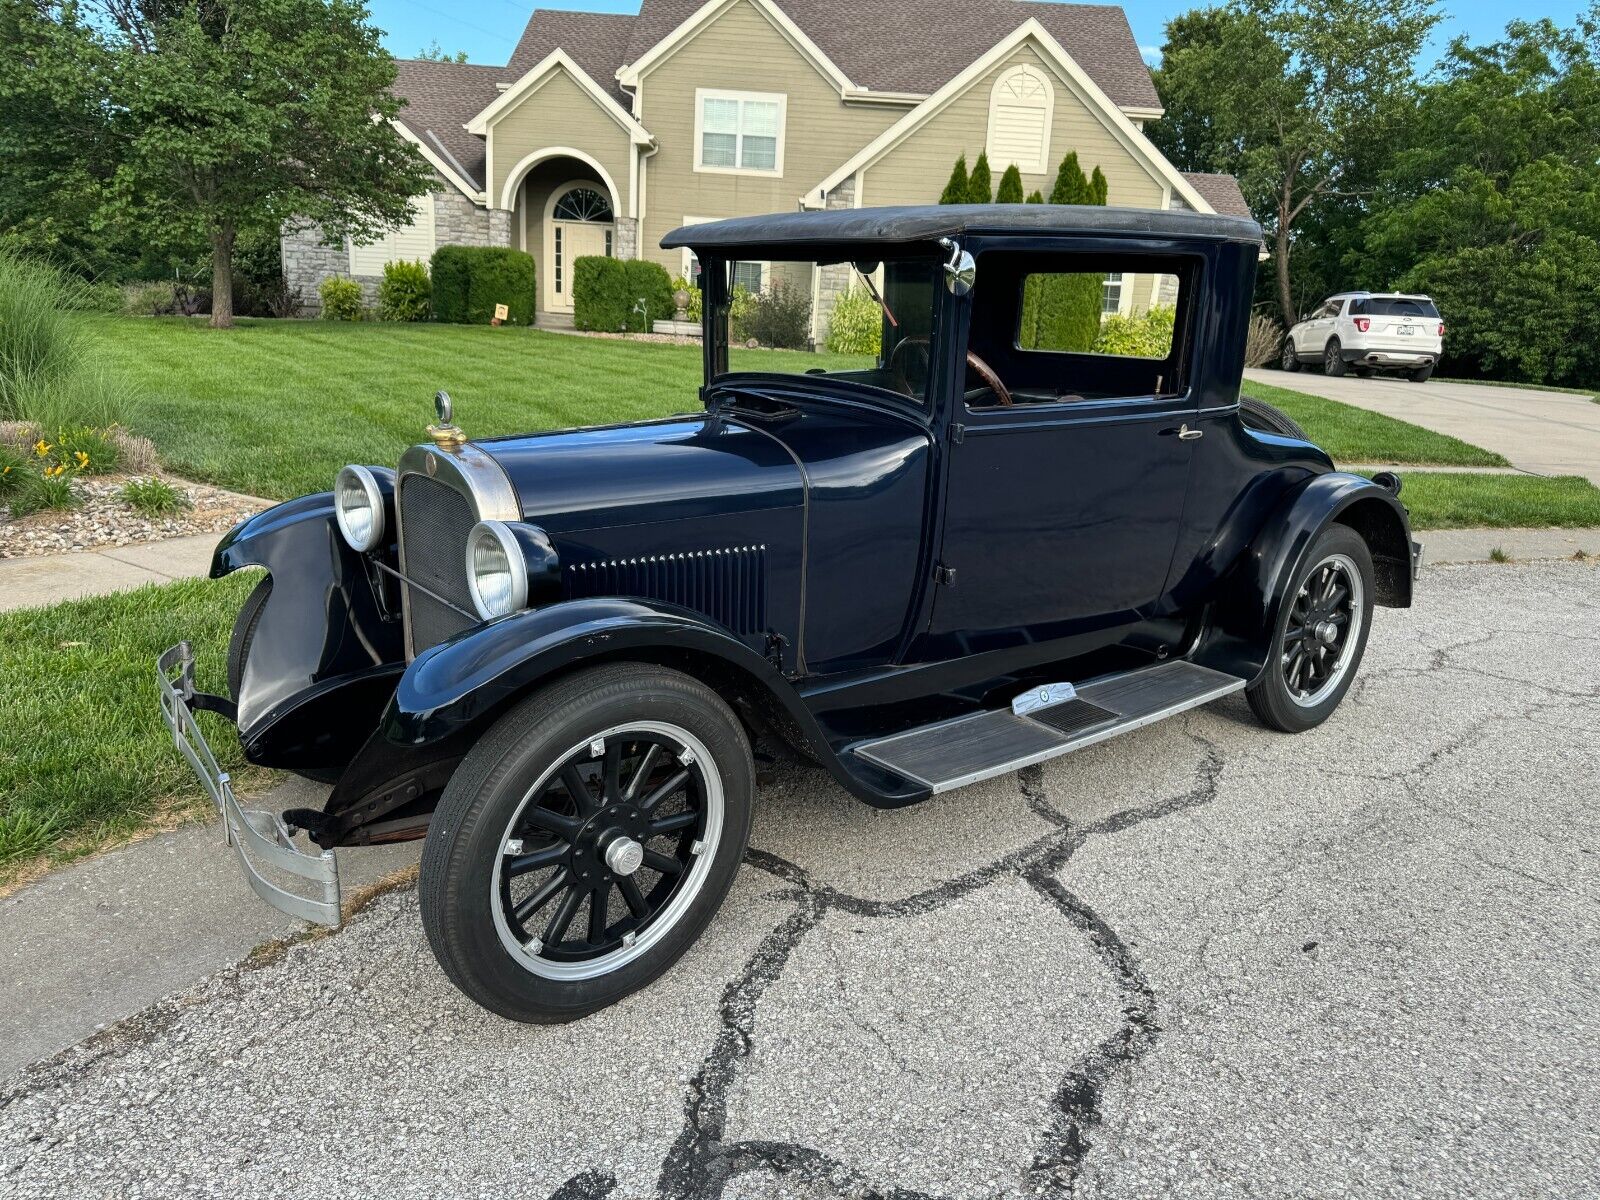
[[597, 42], [1221, 192], [559, 60], [441, 97], [884, 46]]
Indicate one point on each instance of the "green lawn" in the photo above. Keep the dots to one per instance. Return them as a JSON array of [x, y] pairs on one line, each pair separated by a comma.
[[1444, 500], [1589, 393], [1354, 435], [275, 408], [85, 760]]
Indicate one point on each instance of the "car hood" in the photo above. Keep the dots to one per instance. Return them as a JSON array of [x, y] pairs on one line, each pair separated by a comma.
[[691, 467]]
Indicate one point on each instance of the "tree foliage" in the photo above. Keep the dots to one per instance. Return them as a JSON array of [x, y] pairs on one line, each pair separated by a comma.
[[956, 190], [209, 118], [1062, 312], [1010, 190], [1293, 97]]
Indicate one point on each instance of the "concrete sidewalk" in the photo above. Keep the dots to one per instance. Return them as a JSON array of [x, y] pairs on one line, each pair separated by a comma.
[[96, 942], [31, 582]]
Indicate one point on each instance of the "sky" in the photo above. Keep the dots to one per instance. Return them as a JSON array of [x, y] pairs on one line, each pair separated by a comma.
[[488, 29]]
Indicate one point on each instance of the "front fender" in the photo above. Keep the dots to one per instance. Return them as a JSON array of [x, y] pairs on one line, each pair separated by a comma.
[[452, 691], [1245, 613], [323, 642]]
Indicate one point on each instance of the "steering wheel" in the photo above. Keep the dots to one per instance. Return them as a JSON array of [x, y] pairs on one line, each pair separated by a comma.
[[984, 371]]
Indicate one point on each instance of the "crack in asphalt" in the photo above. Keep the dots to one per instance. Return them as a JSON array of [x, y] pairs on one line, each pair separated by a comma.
[[701, 1163]]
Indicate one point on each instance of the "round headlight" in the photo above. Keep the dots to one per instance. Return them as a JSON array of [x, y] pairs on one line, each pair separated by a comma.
[[358, 504], [497, 573]]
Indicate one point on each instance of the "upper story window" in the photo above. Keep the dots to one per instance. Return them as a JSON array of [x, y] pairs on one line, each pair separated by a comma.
[[739, 132], [1020, 111], [413, 242]]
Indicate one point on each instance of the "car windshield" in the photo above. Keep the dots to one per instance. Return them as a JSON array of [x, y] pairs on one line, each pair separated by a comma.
[[868, 324], [1392, 306]]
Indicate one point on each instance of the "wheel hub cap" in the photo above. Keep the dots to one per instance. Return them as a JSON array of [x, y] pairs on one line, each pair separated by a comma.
[[1327, 632], [624, 856]]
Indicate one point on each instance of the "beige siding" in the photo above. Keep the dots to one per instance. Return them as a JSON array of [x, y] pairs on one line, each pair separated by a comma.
[[560, 113], [741, 51], [915, 171]]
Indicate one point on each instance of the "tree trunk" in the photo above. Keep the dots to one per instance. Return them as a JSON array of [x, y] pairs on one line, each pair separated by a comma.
[[1281, 254], [222, 240]]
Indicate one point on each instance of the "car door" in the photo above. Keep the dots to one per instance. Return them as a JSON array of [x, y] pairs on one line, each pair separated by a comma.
[[1061, 510], [1313, 331]]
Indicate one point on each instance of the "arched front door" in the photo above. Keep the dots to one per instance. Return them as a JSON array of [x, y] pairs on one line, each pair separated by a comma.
[[579, 224]]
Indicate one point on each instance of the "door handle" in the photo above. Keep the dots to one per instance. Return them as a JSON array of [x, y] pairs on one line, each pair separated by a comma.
[[1185, 434]]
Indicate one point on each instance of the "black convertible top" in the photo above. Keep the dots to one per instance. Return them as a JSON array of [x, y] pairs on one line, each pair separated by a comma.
[[928, 223]]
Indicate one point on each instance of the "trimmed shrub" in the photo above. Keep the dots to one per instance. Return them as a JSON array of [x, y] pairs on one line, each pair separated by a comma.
[[341, 299], [500, 275], [452, 278], [1010, 187], [608, 294], [856, 326], [599, 294], [1149, 336], [980, 187], [956, 190], [779, 317], [406, 293]]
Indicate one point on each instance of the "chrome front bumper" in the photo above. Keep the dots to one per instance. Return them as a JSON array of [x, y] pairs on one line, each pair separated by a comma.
[[259, 837]]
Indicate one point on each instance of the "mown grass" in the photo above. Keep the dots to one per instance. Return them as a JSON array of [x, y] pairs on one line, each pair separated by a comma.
[[1587, 393], [275, 408], [85, 760], [1444, 500], [1354, 435]]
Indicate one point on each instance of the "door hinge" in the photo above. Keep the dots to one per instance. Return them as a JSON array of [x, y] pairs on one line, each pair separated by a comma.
[[775, 646], [958, 433], [944, 576]]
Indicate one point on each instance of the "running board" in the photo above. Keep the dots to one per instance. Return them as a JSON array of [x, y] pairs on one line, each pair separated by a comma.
[[1044, 723]]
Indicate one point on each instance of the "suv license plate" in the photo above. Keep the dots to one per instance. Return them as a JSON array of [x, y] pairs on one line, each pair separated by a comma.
[[1407, 330]]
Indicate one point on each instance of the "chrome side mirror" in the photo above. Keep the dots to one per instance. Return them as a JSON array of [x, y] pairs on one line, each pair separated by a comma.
[[961, 272]]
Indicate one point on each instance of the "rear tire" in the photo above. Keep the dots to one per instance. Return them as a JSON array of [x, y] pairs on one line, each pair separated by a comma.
[[1333, 359], [1291, 360], [1421, 374], [1321, 634], [1258, 414], [507, 932]]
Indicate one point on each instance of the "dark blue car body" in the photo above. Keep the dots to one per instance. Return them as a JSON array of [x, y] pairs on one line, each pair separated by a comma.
[[840, 565]]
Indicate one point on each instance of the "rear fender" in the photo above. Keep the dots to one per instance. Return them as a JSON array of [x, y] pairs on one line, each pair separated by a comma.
[[327, 649], [1241, 619]]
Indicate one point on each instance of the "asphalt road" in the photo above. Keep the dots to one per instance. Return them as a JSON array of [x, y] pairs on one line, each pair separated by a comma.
[[1200, 960], [1545, 433]]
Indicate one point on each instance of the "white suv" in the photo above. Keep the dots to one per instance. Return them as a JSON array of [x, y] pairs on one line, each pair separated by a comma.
[[1366, 332]]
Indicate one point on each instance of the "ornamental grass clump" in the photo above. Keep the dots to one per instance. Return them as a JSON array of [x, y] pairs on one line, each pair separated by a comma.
[[152, 497], [41, 340]]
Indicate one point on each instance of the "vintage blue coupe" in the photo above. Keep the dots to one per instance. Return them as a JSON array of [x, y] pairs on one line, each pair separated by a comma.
[[1004, 536]]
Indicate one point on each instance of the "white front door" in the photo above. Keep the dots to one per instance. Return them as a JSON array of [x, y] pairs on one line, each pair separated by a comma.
[[572, 242]]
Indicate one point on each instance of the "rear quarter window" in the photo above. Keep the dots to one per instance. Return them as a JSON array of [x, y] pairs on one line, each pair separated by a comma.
[[1392, 306]]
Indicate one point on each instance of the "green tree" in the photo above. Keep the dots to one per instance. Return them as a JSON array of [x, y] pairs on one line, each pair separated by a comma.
[[1010, 190], [1099, 188], [1035, 197], [1062, 312], [980, 188], [433, 52], [1290, 96], [230, 116], [955, 192], [1072, 185]]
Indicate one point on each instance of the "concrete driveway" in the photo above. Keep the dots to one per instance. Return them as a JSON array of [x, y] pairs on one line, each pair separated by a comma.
[[1546, 433], [1200, 960]]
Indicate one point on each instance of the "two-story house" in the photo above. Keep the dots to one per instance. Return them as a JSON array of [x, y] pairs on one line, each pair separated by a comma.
[[606, 131]]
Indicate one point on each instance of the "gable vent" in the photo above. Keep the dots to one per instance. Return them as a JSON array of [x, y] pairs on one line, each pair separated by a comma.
[[729, 586], [1020, 110]]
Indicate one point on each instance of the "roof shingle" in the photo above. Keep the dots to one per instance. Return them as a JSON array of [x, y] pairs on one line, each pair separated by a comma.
[[441, 97], [597, 42], [1221, 192]]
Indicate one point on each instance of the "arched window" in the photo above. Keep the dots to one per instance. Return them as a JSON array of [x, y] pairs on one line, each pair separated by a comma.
[[584, 204], [1020, 109]]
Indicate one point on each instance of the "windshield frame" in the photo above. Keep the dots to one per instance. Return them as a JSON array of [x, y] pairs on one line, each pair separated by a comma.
[[716, 297]]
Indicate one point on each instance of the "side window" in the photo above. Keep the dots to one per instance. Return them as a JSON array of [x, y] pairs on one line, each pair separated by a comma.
[[1115, 313]]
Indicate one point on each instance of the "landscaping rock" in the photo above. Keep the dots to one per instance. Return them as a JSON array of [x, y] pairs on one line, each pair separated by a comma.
[[102, 519]]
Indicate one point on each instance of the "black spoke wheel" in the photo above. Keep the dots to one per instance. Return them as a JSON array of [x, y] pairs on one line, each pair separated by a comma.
[[607, 850], [1320, 636], [586, 841]]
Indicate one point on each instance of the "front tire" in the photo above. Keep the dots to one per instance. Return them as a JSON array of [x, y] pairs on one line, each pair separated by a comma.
[[1320, 636], [586, 842], [1333, 359]]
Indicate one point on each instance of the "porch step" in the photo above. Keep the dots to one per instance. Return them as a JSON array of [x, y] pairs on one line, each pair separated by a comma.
[[954, 753]]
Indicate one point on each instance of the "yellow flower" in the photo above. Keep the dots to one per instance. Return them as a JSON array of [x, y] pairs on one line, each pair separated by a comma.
[[83, 459], [41, 447]]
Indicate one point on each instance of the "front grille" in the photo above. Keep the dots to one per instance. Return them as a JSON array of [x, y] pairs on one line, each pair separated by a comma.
[[435, 521], [729, 586]]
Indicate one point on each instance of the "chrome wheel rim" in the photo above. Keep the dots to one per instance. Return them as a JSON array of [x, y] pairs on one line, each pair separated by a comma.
[[1288, 353], [607, 851], [1322, 630]]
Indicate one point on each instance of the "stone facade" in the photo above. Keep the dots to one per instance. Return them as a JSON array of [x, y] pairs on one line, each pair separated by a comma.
[[308, 259], [835, 280]]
